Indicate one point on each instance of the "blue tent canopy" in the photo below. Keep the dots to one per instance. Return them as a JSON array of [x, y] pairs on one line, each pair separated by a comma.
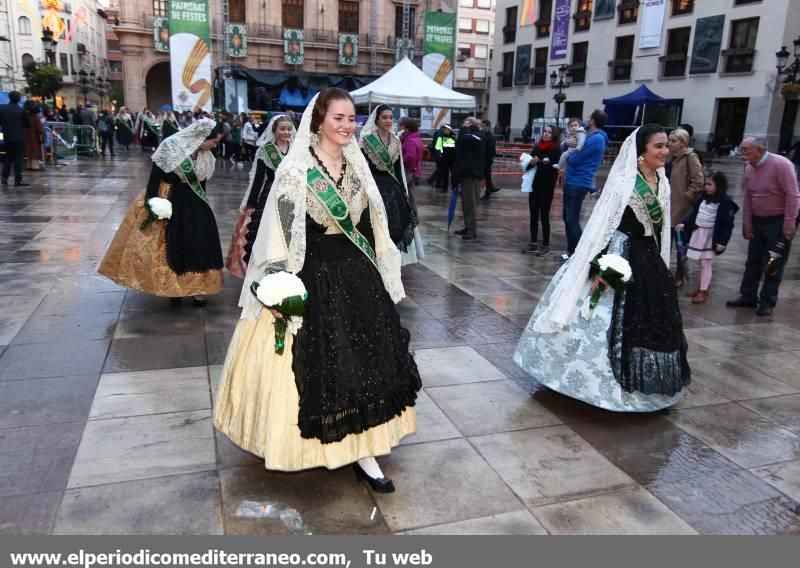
[[622, 111], [295, 97]]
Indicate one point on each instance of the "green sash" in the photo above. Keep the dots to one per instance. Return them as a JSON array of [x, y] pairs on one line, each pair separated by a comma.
[[325, 192], [654, 211], [151, 127], [272, 154], [376, 149], [186, 173], [127, 124]]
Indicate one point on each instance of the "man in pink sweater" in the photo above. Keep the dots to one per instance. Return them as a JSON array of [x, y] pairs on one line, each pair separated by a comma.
[[771, 205]]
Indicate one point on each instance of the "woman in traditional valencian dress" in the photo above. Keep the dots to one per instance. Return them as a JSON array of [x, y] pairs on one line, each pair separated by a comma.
[[149, 131], [125, 128], [381, 146], [181, 256], [169, 124], [272, 146], [344, 389], [628, 354]]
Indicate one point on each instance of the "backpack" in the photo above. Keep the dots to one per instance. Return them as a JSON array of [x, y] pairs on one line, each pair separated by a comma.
[[102, 126]]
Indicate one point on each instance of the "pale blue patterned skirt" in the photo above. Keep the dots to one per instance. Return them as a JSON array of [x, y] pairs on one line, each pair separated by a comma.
[[575, 362]]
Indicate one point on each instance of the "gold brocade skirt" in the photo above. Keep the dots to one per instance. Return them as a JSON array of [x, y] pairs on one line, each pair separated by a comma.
[[138, 259], [257, 407]]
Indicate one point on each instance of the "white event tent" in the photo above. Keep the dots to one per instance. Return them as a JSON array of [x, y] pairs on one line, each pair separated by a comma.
[[406, 85]]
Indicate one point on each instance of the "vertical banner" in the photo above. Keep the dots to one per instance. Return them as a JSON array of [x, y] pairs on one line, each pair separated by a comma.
[[522, 71], [438, 55], [348, 49], [237, 40], [161, 34], [190, 55], [527, 17], [707, 43], [293, 50], [652, 23], [604, 9], [558, 47]]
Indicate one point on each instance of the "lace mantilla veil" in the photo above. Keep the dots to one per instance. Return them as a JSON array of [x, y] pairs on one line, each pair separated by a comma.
[[175, 149], [371, 127], [281, 240], [605, 219], [265, 138]]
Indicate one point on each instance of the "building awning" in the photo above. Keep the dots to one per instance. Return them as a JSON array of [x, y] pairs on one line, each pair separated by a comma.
[[302, 79]]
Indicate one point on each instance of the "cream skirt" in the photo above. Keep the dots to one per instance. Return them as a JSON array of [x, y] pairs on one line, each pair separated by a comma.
[[257, 407]]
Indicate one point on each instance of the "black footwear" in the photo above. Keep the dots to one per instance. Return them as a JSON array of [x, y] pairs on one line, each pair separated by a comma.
[[5, 182], [544, 252], [469, 236], [175, 301], [531, 247], [486, 197], [561, 257], [21, 184], [382, 485], [741, 302], [461, 232], [764, 309], [199, 301]]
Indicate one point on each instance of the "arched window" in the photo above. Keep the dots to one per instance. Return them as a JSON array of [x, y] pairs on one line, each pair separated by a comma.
[[27, 59], [24, 25]]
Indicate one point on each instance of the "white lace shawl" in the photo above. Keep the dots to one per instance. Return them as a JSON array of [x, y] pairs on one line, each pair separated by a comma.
[[266, 137], [395, 148], [607, 214], [175, 149], [281, 240]]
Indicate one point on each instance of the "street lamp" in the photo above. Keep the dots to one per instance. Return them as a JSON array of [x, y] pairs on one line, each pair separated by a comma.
[[560, 80], [789, 71], [103, 88], [83, 77], [49, 45]]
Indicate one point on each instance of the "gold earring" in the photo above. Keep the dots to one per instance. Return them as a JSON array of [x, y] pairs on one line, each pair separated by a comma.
[[641, 158]]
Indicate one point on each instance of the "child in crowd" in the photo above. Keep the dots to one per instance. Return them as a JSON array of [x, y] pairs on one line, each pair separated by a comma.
[[708, 229], [577, 133]]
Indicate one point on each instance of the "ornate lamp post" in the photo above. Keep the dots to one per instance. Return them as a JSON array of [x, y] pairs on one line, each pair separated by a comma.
[[83, 78], [103, 88], [789, 74], [49, 46], [560, 80]]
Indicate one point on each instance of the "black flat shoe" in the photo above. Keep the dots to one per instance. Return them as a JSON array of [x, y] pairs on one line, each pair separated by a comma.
[[382, 485], [460, 232], [741, 302], [764, 310], [199, 301]]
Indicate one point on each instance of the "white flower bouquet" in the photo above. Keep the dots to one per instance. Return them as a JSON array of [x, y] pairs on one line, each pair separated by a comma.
[[285, 293], [157, 209], [614, 270]]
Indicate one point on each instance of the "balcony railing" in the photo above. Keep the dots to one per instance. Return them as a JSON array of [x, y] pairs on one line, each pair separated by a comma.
[[505, 79], [739, 59], [673, 65], [620, 69]]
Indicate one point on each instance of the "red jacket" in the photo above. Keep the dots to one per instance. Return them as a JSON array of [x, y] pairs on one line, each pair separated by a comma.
[[413, 148]]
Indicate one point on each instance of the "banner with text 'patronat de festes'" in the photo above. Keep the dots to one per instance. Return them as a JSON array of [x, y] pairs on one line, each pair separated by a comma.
[[438, 60], [190, 55]]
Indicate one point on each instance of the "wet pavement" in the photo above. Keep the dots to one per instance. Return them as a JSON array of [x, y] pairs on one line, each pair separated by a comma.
[[106, 394]]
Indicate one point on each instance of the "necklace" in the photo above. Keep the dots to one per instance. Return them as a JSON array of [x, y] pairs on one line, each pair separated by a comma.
[[388, 138], [334, 158]]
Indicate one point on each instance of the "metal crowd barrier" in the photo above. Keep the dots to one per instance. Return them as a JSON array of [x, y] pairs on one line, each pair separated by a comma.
[[72, 140]]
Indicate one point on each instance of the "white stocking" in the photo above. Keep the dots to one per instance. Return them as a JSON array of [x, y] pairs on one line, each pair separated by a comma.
[[371, 468]]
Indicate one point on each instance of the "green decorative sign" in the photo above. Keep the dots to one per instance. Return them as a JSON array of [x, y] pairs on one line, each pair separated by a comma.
[[161, 34], [348, 49], [440, 34], [190, 55], [438, 60], [293, 46], [237, 40]]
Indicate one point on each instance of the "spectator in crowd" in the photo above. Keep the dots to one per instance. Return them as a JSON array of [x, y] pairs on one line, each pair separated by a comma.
[[249, 138], [491, 152], [579, 179], [105, 129], [546, 154], [34, 135], [686, 185], [14, 123], [445, 152], [412, 148], [527, 133], [468, 171], [771, 204]]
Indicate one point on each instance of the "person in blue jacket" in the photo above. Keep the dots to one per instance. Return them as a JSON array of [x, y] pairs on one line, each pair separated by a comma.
[[709, 228], [579, 179]]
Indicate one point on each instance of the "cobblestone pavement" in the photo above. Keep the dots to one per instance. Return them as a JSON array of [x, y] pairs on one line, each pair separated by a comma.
[[106, 394]]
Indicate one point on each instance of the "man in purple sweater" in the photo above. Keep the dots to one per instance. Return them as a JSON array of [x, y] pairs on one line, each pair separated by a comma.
[[771, 204]]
